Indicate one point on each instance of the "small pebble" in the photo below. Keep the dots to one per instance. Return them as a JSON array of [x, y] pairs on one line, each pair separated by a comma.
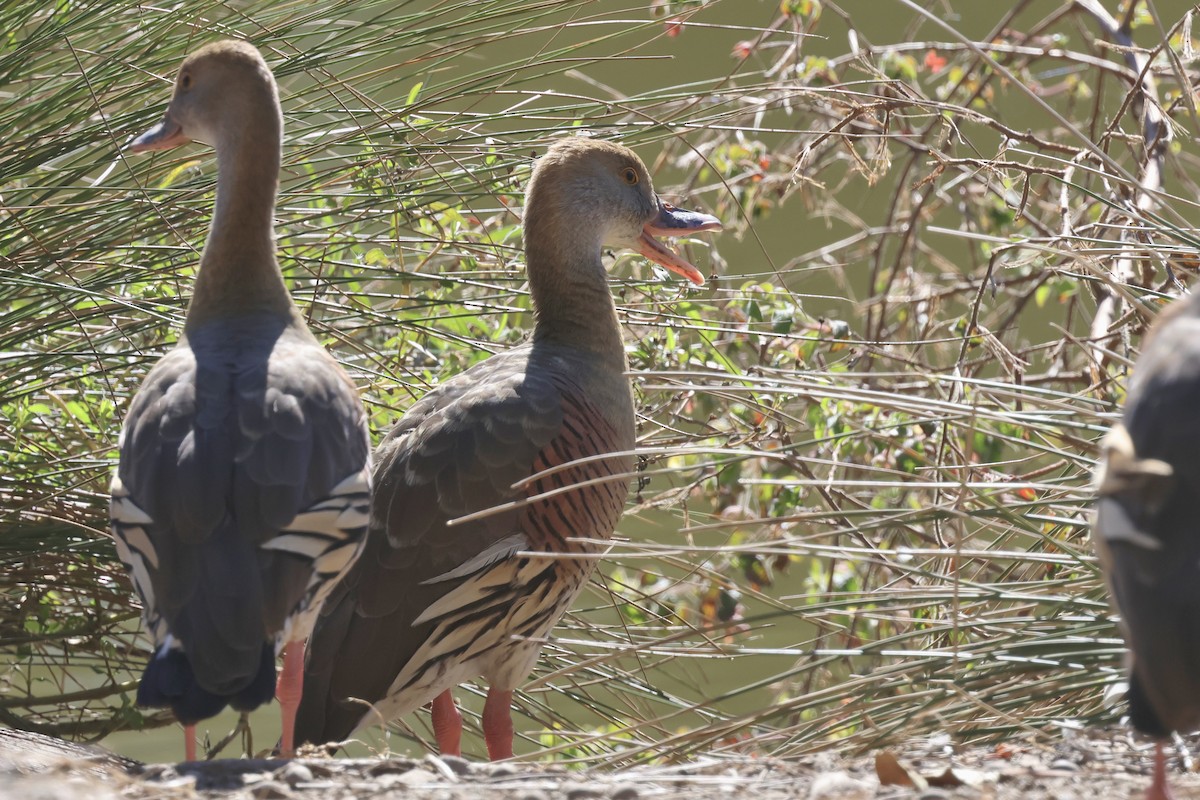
[[502, 771], [159, 772], [839, 786], [581, 792], [1064, 765], [624, 791], [457, 764], [417, 777], [269, 790], [933, 794], [387, 781], [320, 770], [412, 776], [294, 772], [392, 766], [533, 794]]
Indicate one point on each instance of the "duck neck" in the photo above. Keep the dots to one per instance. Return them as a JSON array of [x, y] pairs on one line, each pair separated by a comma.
[[571, 298], [238, 271]]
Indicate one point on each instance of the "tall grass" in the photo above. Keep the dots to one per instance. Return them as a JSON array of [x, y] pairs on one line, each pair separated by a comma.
[[862, 512]]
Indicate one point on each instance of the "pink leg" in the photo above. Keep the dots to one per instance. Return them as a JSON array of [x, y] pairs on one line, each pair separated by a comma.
[[287, 692], [1159, 790], [189, 742], [447, 724], [497, 724]]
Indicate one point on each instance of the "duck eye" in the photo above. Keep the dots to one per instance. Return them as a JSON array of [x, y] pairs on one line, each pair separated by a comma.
[[630, 175], [185, 80]]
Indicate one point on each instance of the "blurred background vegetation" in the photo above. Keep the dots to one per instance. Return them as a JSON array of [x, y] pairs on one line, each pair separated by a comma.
[[867, 442]]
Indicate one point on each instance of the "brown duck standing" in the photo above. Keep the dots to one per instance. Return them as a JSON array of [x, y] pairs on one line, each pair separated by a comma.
[[242, 492], [431, 605], [1147, 530]]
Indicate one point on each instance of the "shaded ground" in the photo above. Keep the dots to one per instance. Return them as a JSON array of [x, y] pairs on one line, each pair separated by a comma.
[[1098, 764]]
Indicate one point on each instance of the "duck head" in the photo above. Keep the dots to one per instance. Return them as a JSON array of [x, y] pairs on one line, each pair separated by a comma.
[[588, 189]]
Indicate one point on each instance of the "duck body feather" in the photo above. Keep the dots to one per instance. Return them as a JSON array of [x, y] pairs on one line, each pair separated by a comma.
[[1148, 524], [435, 604], [241, 495]]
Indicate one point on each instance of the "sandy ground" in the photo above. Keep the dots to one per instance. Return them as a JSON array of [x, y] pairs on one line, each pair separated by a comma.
[[1094, 765]]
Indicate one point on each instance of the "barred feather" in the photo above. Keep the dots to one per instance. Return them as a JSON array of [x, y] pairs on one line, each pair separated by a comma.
[[330, 534]]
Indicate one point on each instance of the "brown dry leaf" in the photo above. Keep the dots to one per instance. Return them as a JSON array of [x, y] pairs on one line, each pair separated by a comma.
[[891, 772]]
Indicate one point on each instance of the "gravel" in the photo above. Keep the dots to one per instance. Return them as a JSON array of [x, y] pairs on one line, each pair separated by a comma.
[[1098, 764]]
